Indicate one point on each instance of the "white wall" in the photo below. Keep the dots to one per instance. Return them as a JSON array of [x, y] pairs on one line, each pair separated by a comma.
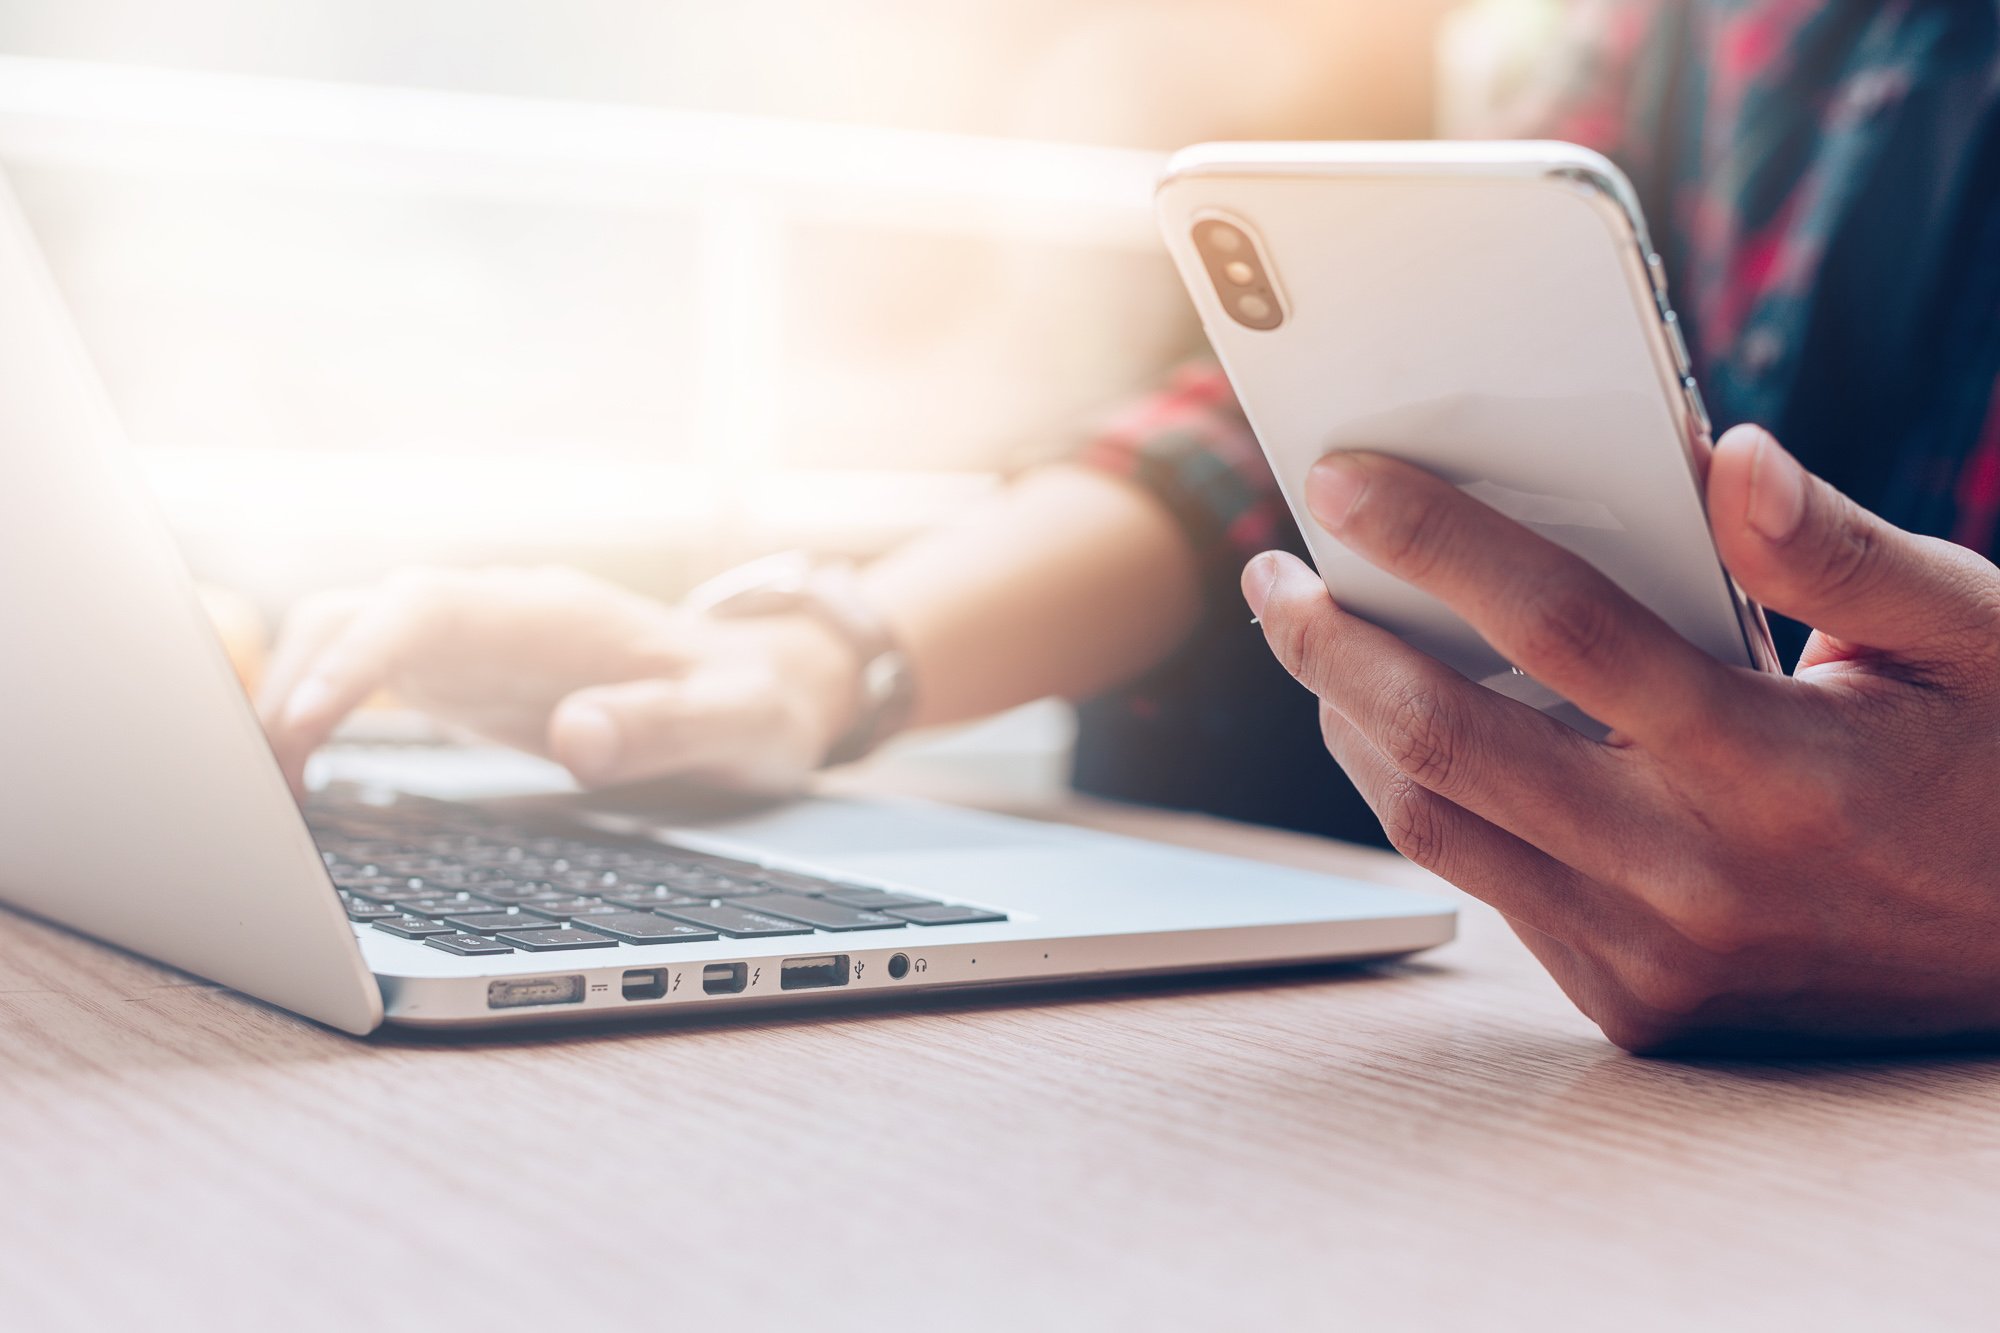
[[518, 352]]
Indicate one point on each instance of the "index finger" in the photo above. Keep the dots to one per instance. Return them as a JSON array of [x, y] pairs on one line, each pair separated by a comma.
[[1544, 609], [310, 626], [355, 662]]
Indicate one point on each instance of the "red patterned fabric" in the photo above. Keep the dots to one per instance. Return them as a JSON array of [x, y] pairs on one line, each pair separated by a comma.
[[1823, 178]]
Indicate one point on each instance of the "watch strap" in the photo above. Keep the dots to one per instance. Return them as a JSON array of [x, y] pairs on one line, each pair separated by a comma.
[[793, 583]]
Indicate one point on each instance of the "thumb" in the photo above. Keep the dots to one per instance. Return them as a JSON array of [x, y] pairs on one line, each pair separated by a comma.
[[648, 729], [1803, 549]]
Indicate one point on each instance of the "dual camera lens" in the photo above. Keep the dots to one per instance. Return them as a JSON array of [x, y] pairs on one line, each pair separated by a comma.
[[1239, 274]]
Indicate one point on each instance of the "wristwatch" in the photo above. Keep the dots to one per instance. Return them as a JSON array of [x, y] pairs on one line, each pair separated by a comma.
[[794, 583]]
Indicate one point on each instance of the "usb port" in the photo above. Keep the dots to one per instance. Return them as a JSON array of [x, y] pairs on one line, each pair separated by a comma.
[[828, 969], [725, 978], [646, 983]]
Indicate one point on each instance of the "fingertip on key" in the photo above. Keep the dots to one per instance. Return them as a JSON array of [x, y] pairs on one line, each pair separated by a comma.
[[308, 701]]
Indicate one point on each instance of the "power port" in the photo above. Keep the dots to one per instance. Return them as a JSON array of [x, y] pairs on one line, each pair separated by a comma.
[[517, 992], [646, 983], [899, 966], [725, 978]]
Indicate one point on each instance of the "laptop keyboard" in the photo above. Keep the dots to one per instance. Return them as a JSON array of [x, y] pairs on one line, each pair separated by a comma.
[[467, 884]]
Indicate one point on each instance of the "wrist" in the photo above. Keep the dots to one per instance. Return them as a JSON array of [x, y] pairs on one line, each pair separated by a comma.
[[818, 672], [879, 693]]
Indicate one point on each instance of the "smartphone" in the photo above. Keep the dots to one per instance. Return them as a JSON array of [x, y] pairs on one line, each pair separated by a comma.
[[1492, 312]]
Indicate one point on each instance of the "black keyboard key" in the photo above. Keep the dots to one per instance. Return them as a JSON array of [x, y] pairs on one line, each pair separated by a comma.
[[585, 881], [365, 911], [565, 909], [707, 884], [646, 928], [444, 905], [556, 937], [520, 892], [645, 900], [627, 860], [649, 869], [488, 923], [469, 946], [457, 878], [414, 867], [946, 914], [366, 877], [875, 900], [735, 922], [819, 913], [413, 927], [387, 891], [495, 861]]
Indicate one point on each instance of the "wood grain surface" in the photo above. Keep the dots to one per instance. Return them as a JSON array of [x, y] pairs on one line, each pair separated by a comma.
[[1436, 1144]]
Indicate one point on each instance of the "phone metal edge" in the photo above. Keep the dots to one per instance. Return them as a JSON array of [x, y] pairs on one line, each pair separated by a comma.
[[1670, 352]]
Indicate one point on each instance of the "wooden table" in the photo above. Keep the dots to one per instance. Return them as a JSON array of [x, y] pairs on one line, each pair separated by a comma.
[[1443, 1143]]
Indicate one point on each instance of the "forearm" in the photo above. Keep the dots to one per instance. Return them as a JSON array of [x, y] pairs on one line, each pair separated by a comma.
[[1068, 582]]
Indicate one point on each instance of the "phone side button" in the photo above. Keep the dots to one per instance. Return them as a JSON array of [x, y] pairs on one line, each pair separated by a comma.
[[1679, 340], [1696, 406], [1656, 269]]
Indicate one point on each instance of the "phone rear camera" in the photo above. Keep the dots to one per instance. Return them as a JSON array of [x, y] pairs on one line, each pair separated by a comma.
[[1240, 274]]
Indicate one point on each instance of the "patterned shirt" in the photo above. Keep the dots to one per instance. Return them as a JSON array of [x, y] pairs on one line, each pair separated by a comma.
[[1823, 180]]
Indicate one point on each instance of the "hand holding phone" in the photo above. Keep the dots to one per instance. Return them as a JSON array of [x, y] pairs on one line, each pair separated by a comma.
[[1750, 861], [1491, 313], [1470, 383]]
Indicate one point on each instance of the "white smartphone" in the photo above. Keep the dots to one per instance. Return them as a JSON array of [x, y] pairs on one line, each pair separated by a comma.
[[1492, 312]]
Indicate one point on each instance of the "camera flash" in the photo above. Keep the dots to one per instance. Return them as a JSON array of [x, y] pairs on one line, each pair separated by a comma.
[[1239, 273]]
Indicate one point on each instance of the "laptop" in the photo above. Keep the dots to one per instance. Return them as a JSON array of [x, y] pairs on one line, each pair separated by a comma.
[[139, 804]]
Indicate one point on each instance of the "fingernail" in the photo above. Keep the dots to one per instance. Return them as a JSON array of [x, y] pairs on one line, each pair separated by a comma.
[[308, 701], [1777, 492], [1332, 487], [1258, 577], [589, 741]]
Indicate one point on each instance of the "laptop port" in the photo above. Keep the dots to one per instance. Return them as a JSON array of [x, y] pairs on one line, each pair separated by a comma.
[[520, 992], [725, 978], [646, 983], [827, 969]]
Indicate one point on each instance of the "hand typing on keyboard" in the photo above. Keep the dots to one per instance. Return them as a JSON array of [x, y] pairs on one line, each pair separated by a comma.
[[614, 686]]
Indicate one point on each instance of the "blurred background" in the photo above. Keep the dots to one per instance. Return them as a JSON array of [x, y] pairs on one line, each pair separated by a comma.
[[645, 286]]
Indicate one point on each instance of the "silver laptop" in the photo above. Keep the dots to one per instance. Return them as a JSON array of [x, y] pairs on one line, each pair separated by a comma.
[[140, 804]]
